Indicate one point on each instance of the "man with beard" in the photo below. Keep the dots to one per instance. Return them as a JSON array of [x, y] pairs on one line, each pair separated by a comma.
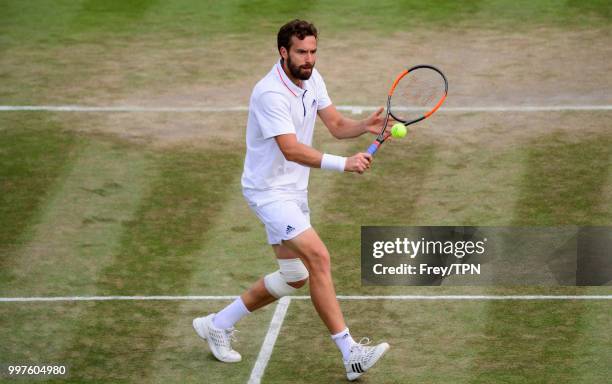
[[282, 114]]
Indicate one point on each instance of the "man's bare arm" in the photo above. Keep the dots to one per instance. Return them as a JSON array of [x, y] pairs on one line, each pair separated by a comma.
[[341, 127], [303, 154], [297, 152]]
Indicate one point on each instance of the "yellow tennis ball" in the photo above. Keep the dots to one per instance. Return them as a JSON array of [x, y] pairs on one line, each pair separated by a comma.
[[398, 130]]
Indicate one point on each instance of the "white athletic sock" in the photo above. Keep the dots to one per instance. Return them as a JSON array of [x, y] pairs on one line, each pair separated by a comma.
[[344, 341], [230, 315]]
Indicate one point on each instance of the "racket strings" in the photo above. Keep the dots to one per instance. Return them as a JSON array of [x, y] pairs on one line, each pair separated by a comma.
[[417, 93]]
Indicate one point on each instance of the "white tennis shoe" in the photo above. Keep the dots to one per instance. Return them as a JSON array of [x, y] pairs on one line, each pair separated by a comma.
[[219, 340], [363, 358]]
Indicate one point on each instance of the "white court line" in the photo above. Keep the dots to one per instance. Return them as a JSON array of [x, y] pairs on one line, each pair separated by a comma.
[[119, 108], [478, 297], [355, 109], [268, 345], [340, 297], [112, 298]]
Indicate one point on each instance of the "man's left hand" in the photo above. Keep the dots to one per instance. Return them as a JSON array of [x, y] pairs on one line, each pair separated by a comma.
[[375, 121]]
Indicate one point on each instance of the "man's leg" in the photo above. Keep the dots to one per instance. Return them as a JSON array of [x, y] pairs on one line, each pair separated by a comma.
[[315, 256], [357, 357]]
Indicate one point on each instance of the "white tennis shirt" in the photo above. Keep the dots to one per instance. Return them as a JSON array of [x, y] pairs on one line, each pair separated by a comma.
[[278, 107]]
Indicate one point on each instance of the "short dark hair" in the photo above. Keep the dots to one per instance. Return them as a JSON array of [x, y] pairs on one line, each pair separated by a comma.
[[297, 28]]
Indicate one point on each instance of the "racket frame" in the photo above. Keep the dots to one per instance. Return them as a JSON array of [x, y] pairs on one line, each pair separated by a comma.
[[381, 136]]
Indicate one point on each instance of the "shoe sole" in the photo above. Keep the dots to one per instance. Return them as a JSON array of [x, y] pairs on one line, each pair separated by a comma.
[[354, 375]]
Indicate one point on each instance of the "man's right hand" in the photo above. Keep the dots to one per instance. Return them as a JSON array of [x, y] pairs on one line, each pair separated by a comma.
[[358, 163]]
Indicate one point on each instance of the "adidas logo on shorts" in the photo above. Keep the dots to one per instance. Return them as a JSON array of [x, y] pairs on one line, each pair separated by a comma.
[[290, 229]]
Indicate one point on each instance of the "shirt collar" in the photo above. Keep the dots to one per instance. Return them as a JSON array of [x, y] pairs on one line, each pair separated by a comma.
[[294, 89]]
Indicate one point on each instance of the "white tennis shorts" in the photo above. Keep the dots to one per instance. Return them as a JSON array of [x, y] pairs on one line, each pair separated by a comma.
[[284, 219]]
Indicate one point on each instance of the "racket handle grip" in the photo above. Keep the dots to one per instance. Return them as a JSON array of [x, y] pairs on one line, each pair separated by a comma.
[[373, 147]]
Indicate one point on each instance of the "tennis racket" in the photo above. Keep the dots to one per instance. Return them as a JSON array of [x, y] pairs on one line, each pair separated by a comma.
[[414, 96]]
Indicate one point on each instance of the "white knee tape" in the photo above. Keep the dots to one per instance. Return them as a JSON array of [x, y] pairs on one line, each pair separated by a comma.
[[291, 270], [277, 286]]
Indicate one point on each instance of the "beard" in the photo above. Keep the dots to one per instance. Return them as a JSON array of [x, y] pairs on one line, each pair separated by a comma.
[[302, 72]]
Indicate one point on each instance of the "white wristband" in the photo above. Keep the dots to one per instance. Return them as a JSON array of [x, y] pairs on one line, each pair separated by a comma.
[[332, 162]]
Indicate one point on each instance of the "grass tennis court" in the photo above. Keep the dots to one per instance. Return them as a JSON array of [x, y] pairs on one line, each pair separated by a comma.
[[150, 203]]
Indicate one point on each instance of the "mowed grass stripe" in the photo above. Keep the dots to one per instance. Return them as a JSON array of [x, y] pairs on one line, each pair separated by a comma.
[[234, 253], [477, 175], [472, 178], [233, 256], [80, 226], [387, 193], [37, 333], [593, 349], [562, 341], [173, 219], [563, 177], [156, 256], [429, 342], [95, 17], [77, 231], [136, 50], [46, 21], [564, 180], [34, 153], [183, 357], [433, 342]]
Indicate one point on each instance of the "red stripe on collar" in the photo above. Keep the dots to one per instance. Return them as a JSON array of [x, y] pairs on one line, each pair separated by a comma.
[[283, 81]]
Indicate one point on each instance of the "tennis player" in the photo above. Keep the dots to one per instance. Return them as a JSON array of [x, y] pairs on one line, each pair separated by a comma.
[[282, 113]]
